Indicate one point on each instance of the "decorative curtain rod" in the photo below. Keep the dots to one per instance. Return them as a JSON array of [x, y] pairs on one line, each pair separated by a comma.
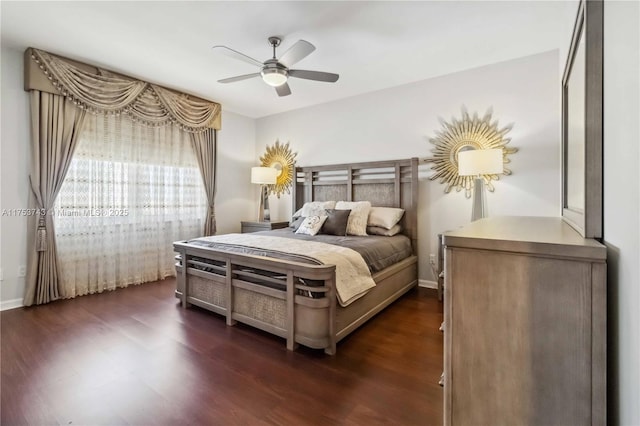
[[105, 92]]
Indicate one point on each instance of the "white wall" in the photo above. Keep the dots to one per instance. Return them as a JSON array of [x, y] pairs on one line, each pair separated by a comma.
[[622, 205], [14, 166], [396, 123], [235, 199], [235, 196]]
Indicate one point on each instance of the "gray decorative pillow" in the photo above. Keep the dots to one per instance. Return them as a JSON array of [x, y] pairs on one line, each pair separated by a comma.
[[336, 223], [311, 225], [357, 224], [296, 222], [378, 230]]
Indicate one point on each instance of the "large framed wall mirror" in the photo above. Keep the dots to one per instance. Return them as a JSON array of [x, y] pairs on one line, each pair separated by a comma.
[[582, 123]]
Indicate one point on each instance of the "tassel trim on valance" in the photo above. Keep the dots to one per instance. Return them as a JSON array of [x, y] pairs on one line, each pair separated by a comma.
[[108, 93]]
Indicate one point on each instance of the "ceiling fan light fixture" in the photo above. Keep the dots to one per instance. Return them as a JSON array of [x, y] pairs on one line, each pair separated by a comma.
[[276, 72], [274, 76]]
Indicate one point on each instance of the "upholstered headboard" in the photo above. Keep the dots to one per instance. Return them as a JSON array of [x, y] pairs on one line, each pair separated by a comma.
[[385, 183]]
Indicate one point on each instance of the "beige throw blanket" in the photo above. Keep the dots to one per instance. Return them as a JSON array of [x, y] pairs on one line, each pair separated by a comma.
[[353, 278]]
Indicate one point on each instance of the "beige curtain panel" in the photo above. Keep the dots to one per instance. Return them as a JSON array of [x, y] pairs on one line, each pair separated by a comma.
[[55, 126], [102, 91], [204, 147]]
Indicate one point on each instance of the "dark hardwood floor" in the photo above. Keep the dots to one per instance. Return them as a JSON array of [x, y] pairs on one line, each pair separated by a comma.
[[134, 356]]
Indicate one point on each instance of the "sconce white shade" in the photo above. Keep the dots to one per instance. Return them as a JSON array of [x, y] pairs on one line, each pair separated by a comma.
[[480, 162], [264, 175]]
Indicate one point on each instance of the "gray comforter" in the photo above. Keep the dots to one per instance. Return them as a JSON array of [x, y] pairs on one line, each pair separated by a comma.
[[378, 252]]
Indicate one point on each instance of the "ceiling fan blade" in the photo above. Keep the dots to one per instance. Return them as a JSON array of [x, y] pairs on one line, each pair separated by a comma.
[[237, 55], [239, 78], [314, 75], [300, 50], [283, 90]]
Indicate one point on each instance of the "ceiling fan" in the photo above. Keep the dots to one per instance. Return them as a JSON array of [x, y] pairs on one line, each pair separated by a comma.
[[275, 72]]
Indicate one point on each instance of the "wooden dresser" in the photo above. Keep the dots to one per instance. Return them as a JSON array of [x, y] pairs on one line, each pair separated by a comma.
[[525, 324]]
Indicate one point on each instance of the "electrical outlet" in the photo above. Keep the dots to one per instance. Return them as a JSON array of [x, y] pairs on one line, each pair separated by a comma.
[[432, 259], [22, 270]]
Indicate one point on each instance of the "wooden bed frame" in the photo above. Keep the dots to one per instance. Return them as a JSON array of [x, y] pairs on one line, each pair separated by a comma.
[[313, 322]]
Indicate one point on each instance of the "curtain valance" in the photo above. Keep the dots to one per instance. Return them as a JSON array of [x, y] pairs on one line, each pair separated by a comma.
[[101, 91]]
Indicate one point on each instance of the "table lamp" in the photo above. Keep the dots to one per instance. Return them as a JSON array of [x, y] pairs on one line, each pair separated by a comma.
[[478, 162], [263, 176]]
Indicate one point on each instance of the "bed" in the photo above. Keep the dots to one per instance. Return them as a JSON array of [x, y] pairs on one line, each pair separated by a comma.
[[294, 295]]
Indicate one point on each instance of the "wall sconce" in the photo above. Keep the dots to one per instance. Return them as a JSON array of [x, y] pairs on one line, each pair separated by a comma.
[[264, 176], [479, 162], [460, 135], [283, 159]]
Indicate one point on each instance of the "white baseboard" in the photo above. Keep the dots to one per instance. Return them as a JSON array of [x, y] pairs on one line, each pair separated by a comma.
[[427, 284], [5, 305]]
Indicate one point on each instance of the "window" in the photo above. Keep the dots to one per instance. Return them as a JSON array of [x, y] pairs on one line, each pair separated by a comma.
[[130, 192]]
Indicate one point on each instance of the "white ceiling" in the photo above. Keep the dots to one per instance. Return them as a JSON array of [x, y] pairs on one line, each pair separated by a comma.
[[372, 45]]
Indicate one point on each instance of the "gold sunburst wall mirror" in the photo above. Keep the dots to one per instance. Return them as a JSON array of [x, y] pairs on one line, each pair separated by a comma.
[[465, 134], [281, 158]]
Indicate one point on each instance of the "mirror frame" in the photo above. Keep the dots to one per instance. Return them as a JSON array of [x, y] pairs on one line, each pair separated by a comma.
[[588, 24]]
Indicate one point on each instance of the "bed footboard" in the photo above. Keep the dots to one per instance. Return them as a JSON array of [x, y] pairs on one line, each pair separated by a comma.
[[269, 294]]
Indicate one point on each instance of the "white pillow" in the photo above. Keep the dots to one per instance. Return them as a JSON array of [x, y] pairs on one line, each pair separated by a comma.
[[384, 217], [357, 224], [311, 225], [315, 208], [376, 230]]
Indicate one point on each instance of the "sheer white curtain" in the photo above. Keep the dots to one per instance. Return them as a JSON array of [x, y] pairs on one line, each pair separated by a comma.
[[130, 192]]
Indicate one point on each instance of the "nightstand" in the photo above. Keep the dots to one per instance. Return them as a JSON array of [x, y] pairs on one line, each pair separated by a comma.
[[262, 226]]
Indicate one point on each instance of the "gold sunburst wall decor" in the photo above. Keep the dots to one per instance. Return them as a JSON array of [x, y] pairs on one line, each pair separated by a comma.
[[461, 135], [280, 157]]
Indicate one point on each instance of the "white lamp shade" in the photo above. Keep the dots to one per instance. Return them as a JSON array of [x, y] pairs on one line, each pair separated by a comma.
[[480, 162], [264, 175]]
